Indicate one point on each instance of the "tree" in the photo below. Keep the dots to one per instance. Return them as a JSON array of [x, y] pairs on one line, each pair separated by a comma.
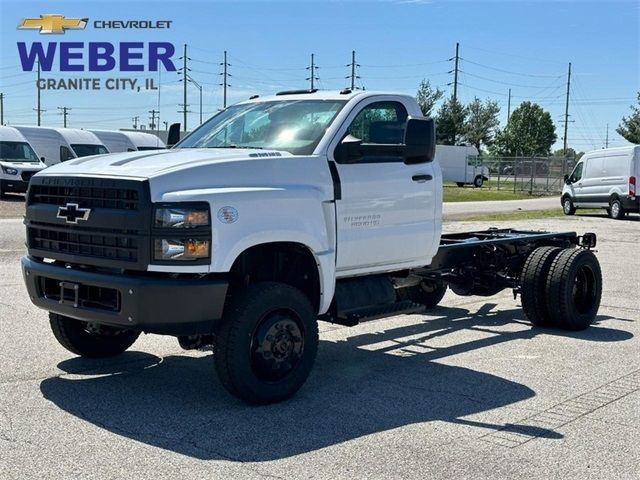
[[482, 122], [530, 132], [427, 97], [629, 129], [450, 122]]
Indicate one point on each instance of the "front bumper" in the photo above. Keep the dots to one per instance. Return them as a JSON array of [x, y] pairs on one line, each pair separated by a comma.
[[13, 186], [149, 303]]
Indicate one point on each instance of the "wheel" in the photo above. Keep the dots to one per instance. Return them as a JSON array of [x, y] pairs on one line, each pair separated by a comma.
[[460, 184], [574, 289], [266, 343], [616, 211], [478, 181], [567, 206], [533, 280], [427, 293], [90, 340]]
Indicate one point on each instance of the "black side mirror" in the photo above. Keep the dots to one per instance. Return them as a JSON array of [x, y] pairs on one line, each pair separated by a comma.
[[348, 151], [566, 179], [42, 159], [420, 140], [174, 134]]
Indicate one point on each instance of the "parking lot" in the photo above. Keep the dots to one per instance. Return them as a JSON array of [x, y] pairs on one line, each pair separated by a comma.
[[468, 390]]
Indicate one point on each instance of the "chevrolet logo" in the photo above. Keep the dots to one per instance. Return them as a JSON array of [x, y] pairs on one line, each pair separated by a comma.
[[71, 213], [53, 23]]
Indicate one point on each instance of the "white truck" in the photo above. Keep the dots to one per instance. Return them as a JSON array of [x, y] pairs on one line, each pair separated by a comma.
[[275, 213], [126, 141], [18, 161], [461, 164], [56, 145]]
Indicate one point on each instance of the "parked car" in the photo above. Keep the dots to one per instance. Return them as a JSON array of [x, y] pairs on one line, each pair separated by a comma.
[[18, 161], [61, 144], [523, 167], [604, 179]]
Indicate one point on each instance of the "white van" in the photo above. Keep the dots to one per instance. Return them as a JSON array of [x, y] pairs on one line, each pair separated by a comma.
[[122, 141], [61, 144], [604, 179], [460, 164], [18, 161]]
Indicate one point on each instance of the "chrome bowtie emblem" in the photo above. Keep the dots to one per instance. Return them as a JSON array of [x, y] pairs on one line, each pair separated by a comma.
[[71, 213]]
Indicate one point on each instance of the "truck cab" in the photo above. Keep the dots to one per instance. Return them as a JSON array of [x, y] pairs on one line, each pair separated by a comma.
[[18, 161]]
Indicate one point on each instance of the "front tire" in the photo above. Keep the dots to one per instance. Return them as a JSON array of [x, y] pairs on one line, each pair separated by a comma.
[[96, 342], [574, 289], [427, 293], [266, 343], [567, 206], [616, 210]]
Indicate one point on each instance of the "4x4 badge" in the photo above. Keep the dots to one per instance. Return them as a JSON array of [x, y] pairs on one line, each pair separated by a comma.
[[71, 213]]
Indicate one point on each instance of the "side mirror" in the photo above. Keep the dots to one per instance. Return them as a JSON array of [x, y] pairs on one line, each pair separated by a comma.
[[174, 134], [420, 140], [42, 159], [566, 179], [348, 151]]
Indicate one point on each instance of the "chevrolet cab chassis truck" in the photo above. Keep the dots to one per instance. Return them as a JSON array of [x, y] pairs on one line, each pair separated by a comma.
[[275, 213]]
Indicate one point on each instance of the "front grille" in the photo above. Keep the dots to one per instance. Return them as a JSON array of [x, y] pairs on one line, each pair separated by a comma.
[[114, 245], [26, 176], [86, 296], [87, 197]]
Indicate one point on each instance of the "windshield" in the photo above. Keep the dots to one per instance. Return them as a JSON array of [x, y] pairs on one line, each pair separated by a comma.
[[17, 152], [86, 150], [295, 126]]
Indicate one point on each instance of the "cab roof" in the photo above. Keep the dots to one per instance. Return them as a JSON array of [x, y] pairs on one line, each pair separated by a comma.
[[10, 134], [344, 95]]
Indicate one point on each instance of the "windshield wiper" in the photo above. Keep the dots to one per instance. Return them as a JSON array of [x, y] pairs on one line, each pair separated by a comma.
[[236, 146]]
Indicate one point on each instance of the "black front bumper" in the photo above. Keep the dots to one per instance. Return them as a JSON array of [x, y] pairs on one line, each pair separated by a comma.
[[149, 303], [13, 186]]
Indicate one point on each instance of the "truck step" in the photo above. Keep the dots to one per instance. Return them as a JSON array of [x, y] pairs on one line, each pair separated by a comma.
[[354, 317]]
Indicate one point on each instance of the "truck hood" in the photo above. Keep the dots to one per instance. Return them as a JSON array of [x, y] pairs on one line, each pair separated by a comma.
[[149, 164]]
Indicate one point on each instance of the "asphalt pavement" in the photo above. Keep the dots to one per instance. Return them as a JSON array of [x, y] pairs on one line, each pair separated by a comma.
[[469, 390]]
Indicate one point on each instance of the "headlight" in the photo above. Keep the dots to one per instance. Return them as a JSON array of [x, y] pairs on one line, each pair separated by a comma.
[[188, 217], [9, 170], [180, 249]]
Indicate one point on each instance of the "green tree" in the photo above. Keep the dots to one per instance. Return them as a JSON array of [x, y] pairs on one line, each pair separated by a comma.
[[450, 122], [427, 97], [629, 128], [530, 132], [482, 122]]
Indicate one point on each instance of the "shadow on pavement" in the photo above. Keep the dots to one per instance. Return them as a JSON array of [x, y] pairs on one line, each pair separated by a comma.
[[357, 388]]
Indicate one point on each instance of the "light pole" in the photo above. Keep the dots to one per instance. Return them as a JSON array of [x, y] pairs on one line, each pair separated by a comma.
[[199, 87]]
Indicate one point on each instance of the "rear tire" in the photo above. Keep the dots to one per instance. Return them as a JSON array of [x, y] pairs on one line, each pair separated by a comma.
[[266, 343], [478, 181], [616, 210], [460, 184], [567, 206], [75, 336], [427, 293], [574, 289], [533, 280]]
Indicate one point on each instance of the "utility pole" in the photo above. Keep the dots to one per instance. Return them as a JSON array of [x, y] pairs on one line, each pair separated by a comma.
[[184, 71], [455, 73], [353, 66], [38, 110], [509, 107], [152, 120], [606, 142], [1, 108], [225, 84], [135, 122], [312, 72], [64, 111], [566, 112], [166, 125]]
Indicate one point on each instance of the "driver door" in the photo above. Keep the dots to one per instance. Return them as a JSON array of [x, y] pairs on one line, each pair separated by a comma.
[[386, 216]]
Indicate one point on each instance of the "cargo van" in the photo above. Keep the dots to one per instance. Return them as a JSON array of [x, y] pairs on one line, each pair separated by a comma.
[[460, 164], [604, 179], [18, 161], [61, 144], [123, 141]]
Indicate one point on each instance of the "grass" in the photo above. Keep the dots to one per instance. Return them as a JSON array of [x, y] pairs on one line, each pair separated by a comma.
[[453, 193], [526, 215]]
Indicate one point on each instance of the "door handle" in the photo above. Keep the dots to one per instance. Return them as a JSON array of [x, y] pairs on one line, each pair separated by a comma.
[[421, 178]]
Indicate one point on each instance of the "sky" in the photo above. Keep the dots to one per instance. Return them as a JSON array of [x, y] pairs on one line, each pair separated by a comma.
[[524, 46]]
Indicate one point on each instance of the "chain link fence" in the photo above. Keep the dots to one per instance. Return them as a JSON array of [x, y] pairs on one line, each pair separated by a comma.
[[535, 175]]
